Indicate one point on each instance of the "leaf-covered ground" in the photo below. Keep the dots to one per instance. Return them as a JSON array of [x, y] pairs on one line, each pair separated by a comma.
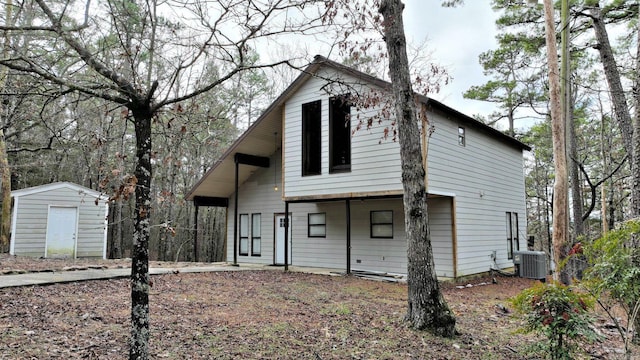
[[261, 315]]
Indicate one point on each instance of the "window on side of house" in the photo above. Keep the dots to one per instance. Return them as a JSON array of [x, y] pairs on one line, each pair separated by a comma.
[[462, 140], [339, 134], [244, 234], [513, 240], [382, 224], [317, 225], [256, 238], [311, 138]]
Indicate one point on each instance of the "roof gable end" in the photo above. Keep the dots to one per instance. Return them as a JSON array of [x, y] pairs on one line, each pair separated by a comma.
[[58, 185]]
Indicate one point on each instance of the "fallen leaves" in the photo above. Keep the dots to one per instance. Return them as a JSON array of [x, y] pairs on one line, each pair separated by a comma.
[[253, 315]]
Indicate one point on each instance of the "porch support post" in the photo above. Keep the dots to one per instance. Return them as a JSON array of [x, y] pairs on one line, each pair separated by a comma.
[[235, 217], [348, 210], [286, 236], [195, 236]]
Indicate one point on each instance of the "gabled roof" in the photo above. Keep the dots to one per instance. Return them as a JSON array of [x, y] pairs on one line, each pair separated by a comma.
[[59, 185], [263, 137]]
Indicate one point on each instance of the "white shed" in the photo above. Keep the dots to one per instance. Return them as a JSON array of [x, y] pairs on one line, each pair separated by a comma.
[[59, 220]]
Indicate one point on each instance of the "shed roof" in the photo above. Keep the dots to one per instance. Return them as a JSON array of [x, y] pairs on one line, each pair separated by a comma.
[[59, 185], [263, 137]]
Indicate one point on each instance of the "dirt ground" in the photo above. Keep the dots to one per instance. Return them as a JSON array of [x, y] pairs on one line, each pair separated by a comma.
[[259, 315]]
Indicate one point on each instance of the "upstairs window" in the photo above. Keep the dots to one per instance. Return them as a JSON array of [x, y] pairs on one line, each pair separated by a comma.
[[462, 141], [339, 134], [311, 138]]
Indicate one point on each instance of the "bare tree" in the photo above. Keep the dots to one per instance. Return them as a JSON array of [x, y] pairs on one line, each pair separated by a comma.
[[126, 53], [560, 204], [427, 308]]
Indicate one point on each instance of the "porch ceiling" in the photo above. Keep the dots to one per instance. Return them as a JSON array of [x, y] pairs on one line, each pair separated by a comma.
[[261, 139]]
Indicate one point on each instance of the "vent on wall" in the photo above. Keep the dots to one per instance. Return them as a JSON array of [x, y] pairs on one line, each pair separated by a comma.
[[531, 264]]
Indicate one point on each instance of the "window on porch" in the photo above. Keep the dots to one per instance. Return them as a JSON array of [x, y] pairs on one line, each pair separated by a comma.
[[244, 234], [382, 224], [256, 238], [317, 225]]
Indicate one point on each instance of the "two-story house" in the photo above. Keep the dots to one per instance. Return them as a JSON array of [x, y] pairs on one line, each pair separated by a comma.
[[341, 184]]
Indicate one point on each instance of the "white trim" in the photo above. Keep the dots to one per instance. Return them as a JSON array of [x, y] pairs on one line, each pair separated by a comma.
[[56, 186], [14, 222], [441, 193], [106, 229], [46, 232]]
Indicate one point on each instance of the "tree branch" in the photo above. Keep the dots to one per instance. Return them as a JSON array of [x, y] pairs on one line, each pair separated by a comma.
[[48, 147]]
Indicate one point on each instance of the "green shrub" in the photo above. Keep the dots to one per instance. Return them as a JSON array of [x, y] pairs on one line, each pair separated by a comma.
[[613, 275], [559, 314]]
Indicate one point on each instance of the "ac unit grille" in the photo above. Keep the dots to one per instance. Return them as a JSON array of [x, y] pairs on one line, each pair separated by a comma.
[[532, 264]]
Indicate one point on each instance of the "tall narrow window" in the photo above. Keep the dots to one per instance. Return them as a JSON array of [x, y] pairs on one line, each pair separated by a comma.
[[255, 234], [311, 138], [513, 240], [462, 141], [339, 134], [244, 234], [317, 225], [382, 224]]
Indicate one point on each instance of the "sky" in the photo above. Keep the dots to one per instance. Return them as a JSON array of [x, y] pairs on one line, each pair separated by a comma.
[[457, 36]]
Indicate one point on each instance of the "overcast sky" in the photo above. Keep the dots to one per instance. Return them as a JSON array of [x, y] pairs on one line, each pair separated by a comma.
[[457, 36]]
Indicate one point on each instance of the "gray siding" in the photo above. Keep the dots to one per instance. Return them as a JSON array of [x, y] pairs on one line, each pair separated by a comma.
[[30, 228], [375, 165], [257, 196], [487, 179], [481, 181]]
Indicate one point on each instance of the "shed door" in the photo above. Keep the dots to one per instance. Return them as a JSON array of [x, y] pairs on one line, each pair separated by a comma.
[[61, 232]]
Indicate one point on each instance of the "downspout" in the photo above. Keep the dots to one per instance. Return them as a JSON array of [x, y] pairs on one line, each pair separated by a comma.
[[454, 238], [235, 218], [348, 208], [286, 236]]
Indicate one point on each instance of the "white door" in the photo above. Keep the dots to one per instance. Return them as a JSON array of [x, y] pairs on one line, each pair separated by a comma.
[[61, 232], [280, 227]]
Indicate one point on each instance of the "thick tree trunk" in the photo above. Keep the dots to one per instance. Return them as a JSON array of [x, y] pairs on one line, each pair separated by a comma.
[[5, 223], [567, 110], [5, 218], [560, 205], [427, 309], [139, 349]]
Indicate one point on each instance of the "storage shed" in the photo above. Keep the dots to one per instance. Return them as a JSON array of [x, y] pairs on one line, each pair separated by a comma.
[[59, 220]]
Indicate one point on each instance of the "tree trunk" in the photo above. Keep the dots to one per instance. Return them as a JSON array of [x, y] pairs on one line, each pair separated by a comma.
[[427, 309], [567, 110], [139, 349], [560, 206], [5, 217], [605, 169], [623, 116], [6, 195], [635, 163]]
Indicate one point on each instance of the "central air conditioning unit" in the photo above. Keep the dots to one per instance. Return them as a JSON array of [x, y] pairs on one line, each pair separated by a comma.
[[531, 264]]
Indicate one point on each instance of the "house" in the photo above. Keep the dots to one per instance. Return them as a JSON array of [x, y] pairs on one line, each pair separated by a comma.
[[342, 190], [59, 220]]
